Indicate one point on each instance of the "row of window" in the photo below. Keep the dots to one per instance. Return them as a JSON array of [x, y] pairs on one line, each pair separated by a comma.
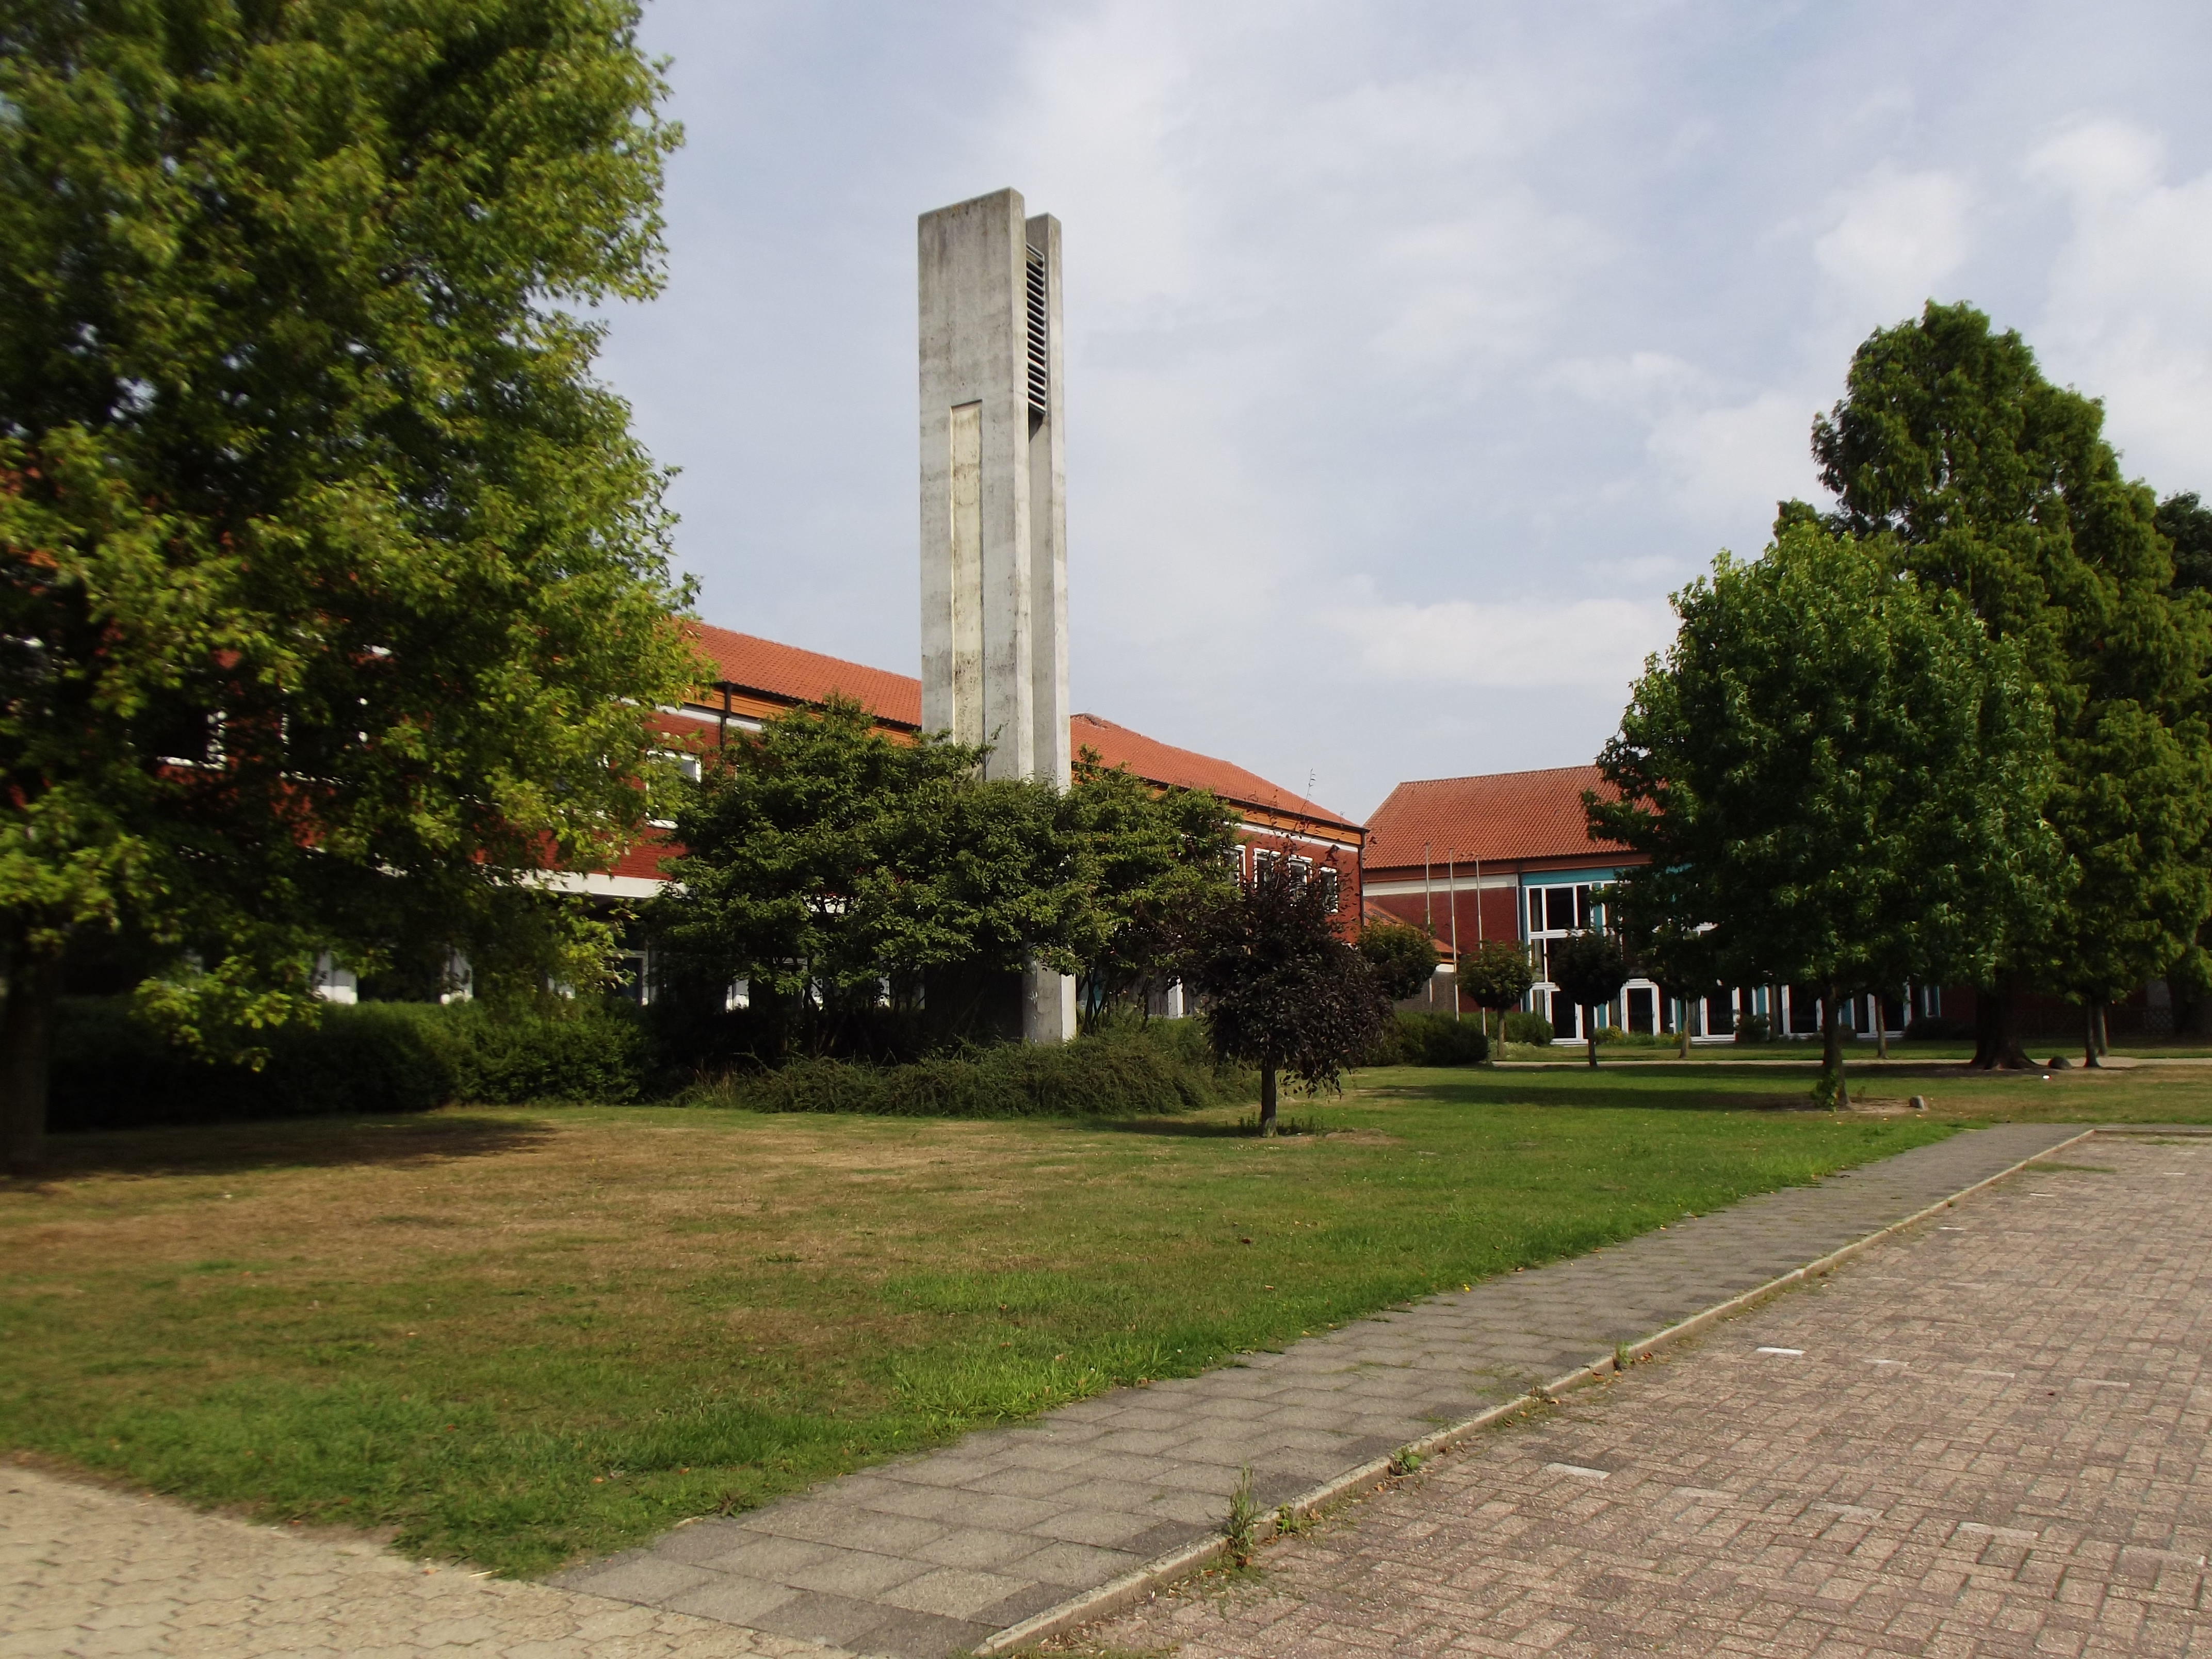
[[1302, 869]]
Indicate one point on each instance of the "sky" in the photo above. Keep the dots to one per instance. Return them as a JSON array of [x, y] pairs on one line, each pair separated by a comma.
[[1415, 353]]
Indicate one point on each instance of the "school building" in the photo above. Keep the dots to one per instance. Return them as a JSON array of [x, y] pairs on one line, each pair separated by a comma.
[[1509, 855]]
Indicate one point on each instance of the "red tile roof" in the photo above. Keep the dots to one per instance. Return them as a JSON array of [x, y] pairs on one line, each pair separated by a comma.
[[787, 674], [1502, 815], [1163, 763], [784, 671]]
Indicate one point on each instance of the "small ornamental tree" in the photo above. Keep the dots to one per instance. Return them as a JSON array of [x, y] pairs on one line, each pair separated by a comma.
[[333, 592], [1589, 969], [1281, 991], [1402, 958], [1495, 976]]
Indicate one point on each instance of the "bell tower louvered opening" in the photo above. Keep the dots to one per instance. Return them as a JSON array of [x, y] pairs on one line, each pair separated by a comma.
[[1039, 338]]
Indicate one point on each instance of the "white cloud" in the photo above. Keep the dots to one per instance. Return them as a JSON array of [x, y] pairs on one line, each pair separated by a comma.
[[1729, 463], [2129, 313], [1897, 237], [1524, 643]]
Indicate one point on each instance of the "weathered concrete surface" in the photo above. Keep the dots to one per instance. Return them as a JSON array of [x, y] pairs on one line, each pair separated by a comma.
[[87, 1572], [1990, 1440], [923, 1557]]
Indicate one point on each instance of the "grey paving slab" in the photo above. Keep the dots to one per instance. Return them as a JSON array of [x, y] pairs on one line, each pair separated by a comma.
[[975, 1537]]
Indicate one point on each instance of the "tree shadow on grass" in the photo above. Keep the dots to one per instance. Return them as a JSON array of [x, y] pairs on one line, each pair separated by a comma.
[[287, 1143], [1507, 1090]]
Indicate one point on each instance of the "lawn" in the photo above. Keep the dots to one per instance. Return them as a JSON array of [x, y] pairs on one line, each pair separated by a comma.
[[518, 1336]]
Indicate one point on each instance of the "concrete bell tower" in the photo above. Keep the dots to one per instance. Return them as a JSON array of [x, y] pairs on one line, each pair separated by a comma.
[[994, 524]]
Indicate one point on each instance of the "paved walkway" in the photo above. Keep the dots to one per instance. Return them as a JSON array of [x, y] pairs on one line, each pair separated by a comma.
[[86, 1571], [1985, 1437], [926, 1557]]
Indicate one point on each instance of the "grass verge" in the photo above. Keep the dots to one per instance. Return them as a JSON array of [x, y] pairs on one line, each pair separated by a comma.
[[518, 1337]]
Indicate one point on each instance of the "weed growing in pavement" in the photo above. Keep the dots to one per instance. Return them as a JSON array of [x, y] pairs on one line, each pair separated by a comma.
[[1406, 1460], [1244, 1517], [1289, 1523]]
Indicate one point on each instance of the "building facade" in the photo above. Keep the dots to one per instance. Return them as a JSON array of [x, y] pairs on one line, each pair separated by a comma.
[[1509, 855]]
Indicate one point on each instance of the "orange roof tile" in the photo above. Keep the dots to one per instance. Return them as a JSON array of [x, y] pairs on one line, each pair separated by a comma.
[[1164, 763], [808, 677], [1501, 816], [786, 673]]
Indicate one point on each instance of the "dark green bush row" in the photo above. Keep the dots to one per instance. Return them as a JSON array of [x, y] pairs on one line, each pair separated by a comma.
[[112, 1071], [1431, 1040], [1115, 1073]]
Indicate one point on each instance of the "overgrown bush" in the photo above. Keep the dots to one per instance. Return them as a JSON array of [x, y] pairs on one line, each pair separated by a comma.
[[1408, 1039], [1523, 1027], [1752, 1028], [1121, 1072], [1937, 1028], [111, 1071]]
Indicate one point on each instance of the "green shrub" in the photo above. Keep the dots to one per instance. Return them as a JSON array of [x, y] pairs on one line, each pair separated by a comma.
[[1520, 1027], [111, 1071], [579, 1054], [1118, 1073], [1430, 1040], [1611, 1034], [1751, 1028], [1937, 1028]]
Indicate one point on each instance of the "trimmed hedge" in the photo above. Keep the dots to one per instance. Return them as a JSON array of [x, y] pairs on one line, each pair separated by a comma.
[[1520, 1027], [1117, 1073], [112, 1072], [1430, 1040]]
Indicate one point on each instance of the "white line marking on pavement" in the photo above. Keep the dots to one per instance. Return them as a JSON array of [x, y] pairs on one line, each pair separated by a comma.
[[1792, 1353], [1577, 1470]]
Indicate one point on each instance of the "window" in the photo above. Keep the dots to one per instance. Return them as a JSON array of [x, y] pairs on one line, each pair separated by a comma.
[[1562, 909], [1301, 870], [1326, 876]]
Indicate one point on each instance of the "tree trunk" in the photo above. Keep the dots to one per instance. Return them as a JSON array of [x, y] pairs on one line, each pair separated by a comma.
[[1590, 1031], [1267, 1100], [2104, 1032], [26, 1020], [1832, 1051], [1881, 1025], [1996, 1045], [2089, 1036]]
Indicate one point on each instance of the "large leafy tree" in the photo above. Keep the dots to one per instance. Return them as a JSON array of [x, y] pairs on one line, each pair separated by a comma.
[[822, 857], [1836, 776], [1951, 447], [334, 586], [1158, 857], [1280, 988]]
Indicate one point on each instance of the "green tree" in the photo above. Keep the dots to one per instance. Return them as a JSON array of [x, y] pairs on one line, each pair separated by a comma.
[[1951, 447], [1836, 776], [1402, 958], [1279, 989], [2186, 524], [823, 857], [1590, 969], [1158, 857], [1495, 976], [334, 586]]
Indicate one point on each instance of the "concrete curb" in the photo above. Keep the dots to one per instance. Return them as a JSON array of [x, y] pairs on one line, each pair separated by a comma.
[[1132, 1586]]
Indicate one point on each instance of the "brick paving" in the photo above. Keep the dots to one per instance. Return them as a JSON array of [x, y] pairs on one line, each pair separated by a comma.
[[1985, 1435], [88, 1571], [926, 1557]]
